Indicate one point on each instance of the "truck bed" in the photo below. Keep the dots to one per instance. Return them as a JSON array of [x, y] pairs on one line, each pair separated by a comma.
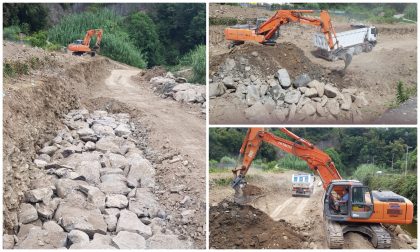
[[345, 39]]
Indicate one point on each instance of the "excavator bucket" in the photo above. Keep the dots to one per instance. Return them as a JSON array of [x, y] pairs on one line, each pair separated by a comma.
[[347, 60], [246, 194]]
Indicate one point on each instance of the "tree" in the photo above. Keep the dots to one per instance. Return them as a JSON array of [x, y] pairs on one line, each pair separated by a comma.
[[33, 15], [143, 31]]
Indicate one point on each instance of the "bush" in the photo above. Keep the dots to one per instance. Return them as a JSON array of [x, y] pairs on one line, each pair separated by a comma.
[[292, 162], [11, 33], [410, 12], [227, 161], [38, 39], [12, 69], [365, 172], [197, 60], [116, 43], [402, 94]]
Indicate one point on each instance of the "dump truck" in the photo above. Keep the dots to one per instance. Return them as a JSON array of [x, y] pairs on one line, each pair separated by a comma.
[[361, 38], [302, 184]]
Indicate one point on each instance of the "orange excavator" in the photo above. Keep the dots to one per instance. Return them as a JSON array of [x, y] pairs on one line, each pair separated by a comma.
[[81, 47], [349, 206], [267, 31]]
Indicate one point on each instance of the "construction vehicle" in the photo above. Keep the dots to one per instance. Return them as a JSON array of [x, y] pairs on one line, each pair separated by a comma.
[[360, 38], [330, 45], [349, 206], [81, 47], [302, 184]]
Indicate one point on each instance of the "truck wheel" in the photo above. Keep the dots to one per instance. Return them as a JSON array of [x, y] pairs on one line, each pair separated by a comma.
[[92, 54], [369, 48]]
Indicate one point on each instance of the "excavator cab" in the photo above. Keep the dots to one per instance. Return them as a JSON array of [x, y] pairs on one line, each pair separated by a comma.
[[344, 200]]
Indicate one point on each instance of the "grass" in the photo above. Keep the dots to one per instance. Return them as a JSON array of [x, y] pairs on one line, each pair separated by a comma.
[[196, 59], [11, 33], [15, 68], [293, 163], [116, 43], [402, 94]]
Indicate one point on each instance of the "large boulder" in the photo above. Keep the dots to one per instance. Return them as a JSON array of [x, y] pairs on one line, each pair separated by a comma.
[[253, 95], [319, 86], [129, 221], [114, 184], [38, 238], [257, 112], [144, 204], [301, 81], [167, 241], [331, 91], [141, 174], [216, 89], [39, 194], [27, 213], [292, 96], [129, 240]]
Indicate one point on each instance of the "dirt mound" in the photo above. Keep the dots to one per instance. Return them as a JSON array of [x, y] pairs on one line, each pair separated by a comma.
[[272, 58], [236, 226]]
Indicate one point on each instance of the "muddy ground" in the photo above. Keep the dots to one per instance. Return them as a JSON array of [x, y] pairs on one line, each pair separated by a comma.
[[376, 73], [300, 217], [172, 134]]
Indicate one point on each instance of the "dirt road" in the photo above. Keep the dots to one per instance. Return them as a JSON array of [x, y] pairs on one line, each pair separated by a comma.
[[304, 215]]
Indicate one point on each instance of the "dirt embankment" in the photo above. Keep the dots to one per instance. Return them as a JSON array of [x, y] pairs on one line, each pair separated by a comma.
[[171, 136], [299, 217]]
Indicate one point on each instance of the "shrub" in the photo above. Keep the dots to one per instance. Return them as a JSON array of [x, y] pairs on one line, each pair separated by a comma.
[[38, 39], [11, 33], [197, 60], [293, 163], [227, 161], [365, 172], [402, 94], [410, 12]]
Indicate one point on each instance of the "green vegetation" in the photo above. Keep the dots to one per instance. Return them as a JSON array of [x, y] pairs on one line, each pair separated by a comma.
[[410, 12], [403, 92], [167, 34], [223, 21], [293, 163]]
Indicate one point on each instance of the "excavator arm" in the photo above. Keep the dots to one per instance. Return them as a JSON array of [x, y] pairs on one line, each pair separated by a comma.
[[318, 161], [268, 29], [90, 34]]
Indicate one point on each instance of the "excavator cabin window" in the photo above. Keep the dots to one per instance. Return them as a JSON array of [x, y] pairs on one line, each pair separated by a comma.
[[361, 202]]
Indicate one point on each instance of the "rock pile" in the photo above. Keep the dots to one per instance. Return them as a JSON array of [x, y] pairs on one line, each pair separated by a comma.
[[280, 97], [98, 192], [179, 89]]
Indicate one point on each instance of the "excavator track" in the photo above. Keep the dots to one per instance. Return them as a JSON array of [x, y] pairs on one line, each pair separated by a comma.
[[381, 238], [378, 235], [334, 233]]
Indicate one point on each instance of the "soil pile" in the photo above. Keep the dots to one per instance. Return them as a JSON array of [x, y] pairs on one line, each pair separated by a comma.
[[234, 226]]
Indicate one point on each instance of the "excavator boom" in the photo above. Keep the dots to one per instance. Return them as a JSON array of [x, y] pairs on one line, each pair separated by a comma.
[[84, 46], [318, 161]]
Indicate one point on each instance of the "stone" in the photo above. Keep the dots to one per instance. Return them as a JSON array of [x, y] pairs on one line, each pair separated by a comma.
[[52, 226], [111, 222], [333, 106], [38, 238], [269, 103], [319, 86], [331, 91], [280, 114], [228, 82], [27, 213], [320, 110], [301, 81], [277, 92], [118, 161], [144, 204], [253, 95], [90, 170], [94, 196], [105, 171], [187, 216], [99, 241], [253, 78], [141, 174], [216, 89], [102, 130], [346, 104], [188, 96], [44, 157], [47, 210], [254, 53], [129, 221], [164, 241], [360, 100], [284, 78], [129, 240], [311, 92], [72, 217], [324, 100], [38, 195], [263, 90], [308, 109], [112, 211], [65, 187], [123, 130], [108, 144], [87, 134], [185, 201], [90, 146], [77, 236], [40, 163], [292, 96], [229, 65], [406, 238], [257, 112], [49, 150], [117, 201], [8, 241], [292, 111], [114, 184]]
